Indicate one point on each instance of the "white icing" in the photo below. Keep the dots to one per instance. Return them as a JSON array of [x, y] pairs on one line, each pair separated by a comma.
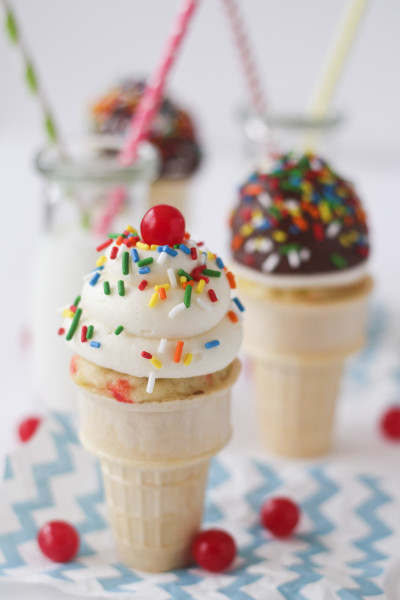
[[291, 281], [156, 329]]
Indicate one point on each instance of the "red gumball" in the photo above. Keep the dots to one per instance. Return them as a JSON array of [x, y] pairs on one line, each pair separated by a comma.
[[59, 541], [163, 225], [390, 423], [280, 516], [27, 428], [214, 550]]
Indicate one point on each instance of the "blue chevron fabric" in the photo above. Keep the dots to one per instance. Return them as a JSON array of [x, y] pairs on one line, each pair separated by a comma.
[[345, 547], [341, 550]]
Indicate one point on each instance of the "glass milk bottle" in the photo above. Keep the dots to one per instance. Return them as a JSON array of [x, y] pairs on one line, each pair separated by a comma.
[[77, 185], [290, 131]]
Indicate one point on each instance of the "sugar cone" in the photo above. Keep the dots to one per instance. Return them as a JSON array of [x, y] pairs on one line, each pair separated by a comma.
[[296, 401], [169, 191], [155, 458], [299, 342]]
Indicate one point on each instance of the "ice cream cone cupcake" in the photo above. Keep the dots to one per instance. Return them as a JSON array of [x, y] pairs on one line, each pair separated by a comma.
[[155, 336], [300, 248], [173, 133]]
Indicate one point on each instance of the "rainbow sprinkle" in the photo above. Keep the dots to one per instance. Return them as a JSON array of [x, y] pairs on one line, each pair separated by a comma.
[[125, 263], [95, 279], [300, 216], [212, 344], [183, 283], [135, 255]]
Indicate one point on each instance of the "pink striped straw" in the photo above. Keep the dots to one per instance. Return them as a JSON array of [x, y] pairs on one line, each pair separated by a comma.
[[246, 56], [148, 106], [146, 111]]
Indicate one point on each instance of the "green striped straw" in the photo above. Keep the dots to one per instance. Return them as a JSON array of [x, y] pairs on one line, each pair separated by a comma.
[[31, 77]]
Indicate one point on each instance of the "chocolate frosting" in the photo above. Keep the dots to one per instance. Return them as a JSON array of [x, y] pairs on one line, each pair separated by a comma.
[[300, 217], [173, 131]]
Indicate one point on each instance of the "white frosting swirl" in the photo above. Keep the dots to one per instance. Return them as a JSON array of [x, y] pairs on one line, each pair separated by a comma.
[[145, 326]]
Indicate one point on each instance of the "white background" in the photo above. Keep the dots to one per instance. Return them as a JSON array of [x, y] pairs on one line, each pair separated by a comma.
[[81, 46]]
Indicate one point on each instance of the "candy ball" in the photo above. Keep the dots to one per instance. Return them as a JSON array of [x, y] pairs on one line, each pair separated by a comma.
[[280, 516], [27, 428], [163, 225], [214, 550], [59, 541], [390, 423]]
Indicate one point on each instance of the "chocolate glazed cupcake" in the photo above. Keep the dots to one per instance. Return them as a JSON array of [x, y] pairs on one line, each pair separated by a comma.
[[173, 133], [300, 245]]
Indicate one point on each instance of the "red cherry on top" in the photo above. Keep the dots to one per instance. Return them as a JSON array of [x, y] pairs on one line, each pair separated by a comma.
[[59, 541], [280, 516], [390, 423], [214, 550], [27, 428], [163, 225]]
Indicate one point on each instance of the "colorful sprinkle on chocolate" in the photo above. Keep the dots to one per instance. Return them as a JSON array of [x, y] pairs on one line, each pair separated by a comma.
[[297, 216]]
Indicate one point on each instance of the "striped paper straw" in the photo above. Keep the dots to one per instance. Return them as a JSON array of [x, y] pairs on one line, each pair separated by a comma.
[[246, 57], [336, 58], [149, 104], [31, 76], [145, 113]]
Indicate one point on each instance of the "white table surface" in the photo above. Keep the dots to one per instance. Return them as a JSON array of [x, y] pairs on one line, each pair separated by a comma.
[[375, 170]]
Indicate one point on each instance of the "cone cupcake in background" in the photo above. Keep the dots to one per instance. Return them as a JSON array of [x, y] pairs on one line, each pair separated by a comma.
[[173, 133], [155, 335], [300, 248]]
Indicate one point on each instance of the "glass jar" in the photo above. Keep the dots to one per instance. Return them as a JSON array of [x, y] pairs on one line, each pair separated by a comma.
[[284, 132], [77, 185]]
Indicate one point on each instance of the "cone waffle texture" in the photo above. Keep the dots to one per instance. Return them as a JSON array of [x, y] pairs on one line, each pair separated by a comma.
[[155, 458], [299, 347]]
